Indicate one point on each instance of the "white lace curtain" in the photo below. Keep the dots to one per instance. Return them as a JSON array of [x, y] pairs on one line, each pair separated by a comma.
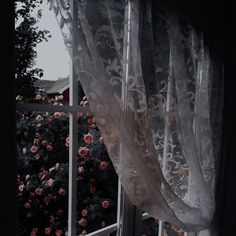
[[157, 97]]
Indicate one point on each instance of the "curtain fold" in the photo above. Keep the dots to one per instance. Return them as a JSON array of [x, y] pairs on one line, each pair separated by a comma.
[[150, 82]]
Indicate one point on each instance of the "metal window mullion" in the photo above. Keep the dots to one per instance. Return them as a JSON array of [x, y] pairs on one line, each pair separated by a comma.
[[50, 108], [73, 89]]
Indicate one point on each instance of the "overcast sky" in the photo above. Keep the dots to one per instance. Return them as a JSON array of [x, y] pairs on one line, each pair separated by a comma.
[[52, 57]]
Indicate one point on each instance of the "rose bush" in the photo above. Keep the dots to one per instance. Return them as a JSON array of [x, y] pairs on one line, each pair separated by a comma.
[[42, 174]]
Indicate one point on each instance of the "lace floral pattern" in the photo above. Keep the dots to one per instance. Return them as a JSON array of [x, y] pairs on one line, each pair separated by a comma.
[[151, 90]]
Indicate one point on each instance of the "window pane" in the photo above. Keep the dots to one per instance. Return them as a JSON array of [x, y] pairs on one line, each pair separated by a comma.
[[42, 173], [150, 227], [42, 61], [97, 180]]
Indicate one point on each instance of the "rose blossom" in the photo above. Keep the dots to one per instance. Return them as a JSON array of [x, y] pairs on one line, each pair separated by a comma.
[[83, 222], [57, 166], [34, 232], [38, 97], [58, 232], [24, 150], [46, 200], [101, 140], [84, 212], [47, 231], [27, 205], [88, 138], [103, 165], [45, 142], [105, 204], [50, 182], [36, 141], [34, 149], [57, 115], [67, 143], [39, 118], [38, 191], [27, 177], [83, 151], [92, 189], [81, 169], [61, 191], [21, 187], [37, 135], [50, 118], [49, 147], [85, 103]]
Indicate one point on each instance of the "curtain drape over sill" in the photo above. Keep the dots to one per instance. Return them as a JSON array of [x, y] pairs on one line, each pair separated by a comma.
[[157, 98]]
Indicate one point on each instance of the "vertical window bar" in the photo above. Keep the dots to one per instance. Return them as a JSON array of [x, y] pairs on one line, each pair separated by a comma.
[[129, 221], [73, 89]]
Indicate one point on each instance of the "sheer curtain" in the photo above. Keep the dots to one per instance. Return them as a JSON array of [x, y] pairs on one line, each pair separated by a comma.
[[157, 98]]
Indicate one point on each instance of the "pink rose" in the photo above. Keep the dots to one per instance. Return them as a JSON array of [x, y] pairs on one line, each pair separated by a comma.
[[58, 232], [83, 222], [26, 134], [50, 118], [21, 187], [27, 177], [50, 182], [61, 191], [39, 118], [38, 191], [103, 224], [27, 205], [45, 142], [83, 151], [47, 231], [24, 150], [57, 115], [105, 204], [49, 148], [81, 169], [88, 138], [57, 166], [36, 141], [84, 213], [38, 97], [37, 135], [101, 140], [34, 149], [34, 232], [103, 165], [85, 103], [46, 200], [92, 189], [67, 143]]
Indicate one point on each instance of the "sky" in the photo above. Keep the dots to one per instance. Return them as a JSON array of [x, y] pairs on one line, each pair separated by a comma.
[[52, 57]]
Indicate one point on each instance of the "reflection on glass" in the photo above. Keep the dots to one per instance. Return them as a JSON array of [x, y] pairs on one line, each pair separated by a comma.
[[97, 181], [42, 173]]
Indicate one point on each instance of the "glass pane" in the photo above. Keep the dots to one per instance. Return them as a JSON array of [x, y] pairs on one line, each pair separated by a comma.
[[42, 173], [150, 227], [42, 60], [97, 180]]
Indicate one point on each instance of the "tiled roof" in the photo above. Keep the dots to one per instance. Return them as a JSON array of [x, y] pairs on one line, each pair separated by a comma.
[[53, 86]]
